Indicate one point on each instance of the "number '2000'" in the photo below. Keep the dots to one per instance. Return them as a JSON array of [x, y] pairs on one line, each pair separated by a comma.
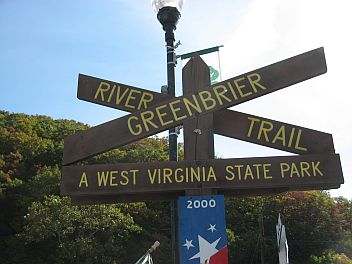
[[200, 204]]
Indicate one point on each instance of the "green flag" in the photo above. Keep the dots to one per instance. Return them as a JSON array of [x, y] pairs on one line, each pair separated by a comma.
[[212, 58]]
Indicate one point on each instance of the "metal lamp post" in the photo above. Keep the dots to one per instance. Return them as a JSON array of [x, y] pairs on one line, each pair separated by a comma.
[[168, 14]]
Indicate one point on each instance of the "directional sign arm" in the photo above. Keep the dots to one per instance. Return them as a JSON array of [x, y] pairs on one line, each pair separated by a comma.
[[175, 111], [270, 133], [116, 95], [246, 174], [227, 123]]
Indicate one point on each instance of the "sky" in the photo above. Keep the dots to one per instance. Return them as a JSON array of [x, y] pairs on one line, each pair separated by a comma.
[[45, 44]]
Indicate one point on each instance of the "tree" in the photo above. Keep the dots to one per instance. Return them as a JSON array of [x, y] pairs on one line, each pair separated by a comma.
[[39, 226], [72, 234], [314, 223], [330, 257]]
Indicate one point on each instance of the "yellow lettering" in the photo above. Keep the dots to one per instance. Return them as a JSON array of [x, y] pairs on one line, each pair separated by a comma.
[[305, 168], [195, 106], [232, 91], [179, 177], [130, 97], [103, 178], [205, 97], [161, 115], [152, 177], [280, 135], [239, 167], [255, 82], [123, 175], [266, 170], [211, 174], [134, 176], [120, 97], [256, 166], [83, 180], [316, 169], [196, 174], [148, 120], [241, 87], [291, 137], [248, 172], [229, 169], [252, 119], [284, 167], [263, 130], [144, 100], [294, 170], [298, 140], [103, 87], [167, 173], [174, 110], [113, 178], [138, 126], [221, 94], [111, 93]]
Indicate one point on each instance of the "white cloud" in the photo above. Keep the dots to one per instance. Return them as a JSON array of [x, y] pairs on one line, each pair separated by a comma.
[[257, 33], [268, 31]]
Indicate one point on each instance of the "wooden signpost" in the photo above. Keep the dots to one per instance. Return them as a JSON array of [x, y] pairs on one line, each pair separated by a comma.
[[246, 174], [175, 111], [202, 110], [254, 129]]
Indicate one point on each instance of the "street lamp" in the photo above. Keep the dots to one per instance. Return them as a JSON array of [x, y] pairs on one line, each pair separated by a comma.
[[168, 11], [168, 14]]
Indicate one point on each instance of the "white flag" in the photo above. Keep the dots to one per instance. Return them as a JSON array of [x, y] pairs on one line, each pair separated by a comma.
[[282, 242], [146, 259], [211, 57], [213, 62]]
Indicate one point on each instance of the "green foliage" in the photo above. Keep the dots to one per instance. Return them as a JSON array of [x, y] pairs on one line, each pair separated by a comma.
[[30, 142], [242, 219], [146, 150], [38, 226], [90, 234], [314, 223], [330, 257]]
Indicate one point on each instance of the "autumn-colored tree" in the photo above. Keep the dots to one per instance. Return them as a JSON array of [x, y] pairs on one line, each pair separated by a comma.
[[37, 225]]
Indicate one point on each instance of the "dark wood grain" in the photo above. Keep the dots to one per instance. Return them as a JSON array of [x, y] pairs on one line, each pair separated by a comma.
[[198, 132], [271, 78], [247, 175], [271, 133]]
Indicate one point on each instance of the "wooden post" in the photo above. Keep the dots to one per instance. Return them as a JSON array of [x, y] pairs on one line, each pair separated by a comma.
[[198, 132]]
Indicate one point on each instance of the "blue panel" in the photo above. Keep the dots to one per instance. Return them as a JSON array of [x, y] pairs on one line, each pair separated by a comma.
[[202, 229]]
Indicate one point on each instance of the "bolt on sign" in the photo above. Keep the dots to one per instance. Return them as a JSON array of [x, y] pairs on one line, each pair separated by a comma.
[[152, 112]]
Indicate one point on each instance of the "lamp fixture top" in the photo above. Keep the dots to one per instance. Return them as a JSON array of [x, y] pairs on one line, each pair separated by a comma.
[[158, 4]]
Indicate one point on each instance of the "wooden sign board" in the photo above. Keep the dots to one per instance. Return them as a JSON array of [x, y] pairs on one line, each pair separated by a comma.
[[245, 175], [116, 95], [233, 124], [175, 111], [270, 133]]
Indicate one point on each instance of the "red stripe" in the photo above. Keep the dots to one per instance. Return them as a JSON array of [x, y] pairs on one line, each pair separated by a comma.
[[220, 258]]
